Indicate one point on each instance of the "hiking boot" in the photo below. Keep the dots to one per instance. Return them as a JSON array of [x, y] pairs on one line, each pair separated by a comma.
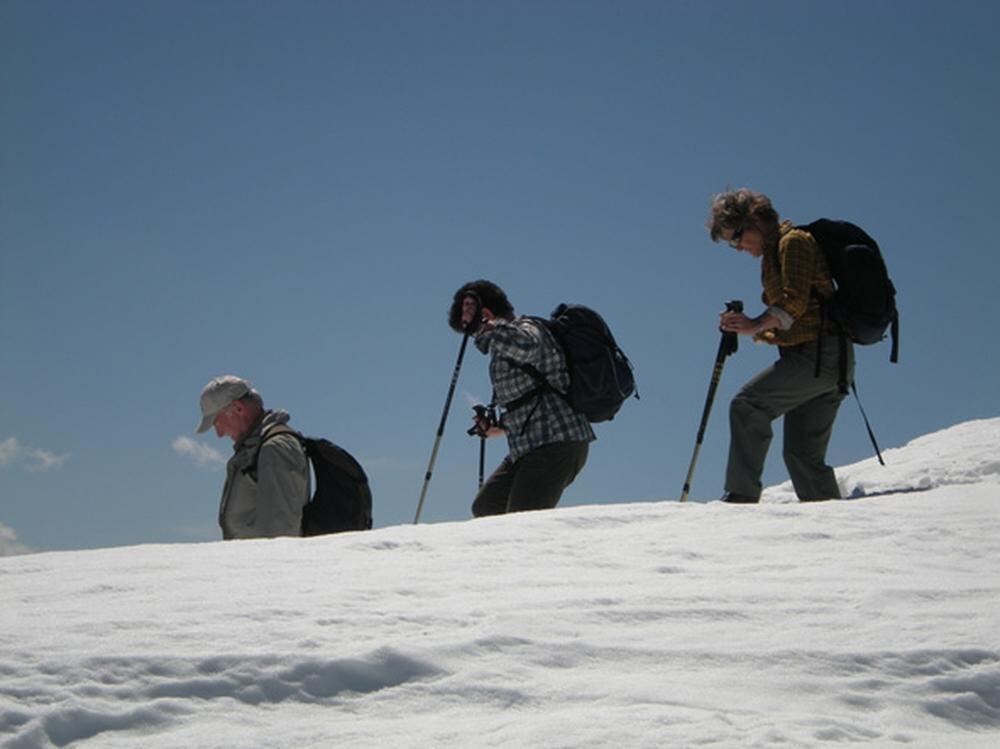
[[739, 499]]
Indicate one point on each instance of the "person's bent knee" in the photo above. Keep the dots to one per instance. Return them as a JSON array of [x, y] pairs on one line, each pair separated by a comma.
[[741, 406]]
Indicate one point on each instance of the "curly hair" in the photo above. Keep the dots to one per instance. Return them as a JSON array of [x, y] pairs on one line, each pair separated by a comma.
[[490, 296], [733, 209]]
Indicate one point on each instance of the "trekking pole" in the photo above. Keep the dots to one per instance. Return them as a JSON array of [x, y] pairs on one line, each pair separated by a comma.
[[728, 345], [447, 405], [482, 460]]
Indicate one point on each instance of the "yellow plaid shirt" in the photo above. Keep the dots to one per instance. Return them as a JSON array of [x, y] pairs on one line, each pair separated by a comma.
[[790, 270]]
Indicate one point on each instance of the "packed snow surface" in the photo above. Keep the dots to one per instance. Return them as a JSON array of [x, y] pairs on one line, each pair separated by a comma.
[[871, 621]]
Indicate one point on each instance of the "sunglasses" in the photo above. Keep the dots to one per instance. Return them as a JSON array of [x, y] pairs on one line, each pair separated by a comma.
[[737, 236]]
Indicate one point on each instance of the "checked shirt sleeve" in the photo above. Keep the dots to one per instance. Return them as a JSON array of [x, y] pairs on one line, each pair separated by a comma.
[[520, 343], [797, 257], [795, 281]]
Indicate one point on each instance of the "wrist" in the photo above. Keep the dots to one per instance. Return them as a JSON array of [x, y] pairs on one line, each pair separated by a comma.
[[765, 322]]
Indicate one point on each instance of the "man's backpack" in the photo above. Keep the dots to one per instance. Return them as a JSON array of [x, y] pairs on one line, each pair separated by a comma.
[[342, 500], [864, 303], [600, 375]]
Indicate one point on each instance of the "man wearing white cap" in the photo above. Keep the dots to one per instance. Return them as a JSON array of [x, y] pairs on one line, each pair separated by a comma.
[[267, 479]]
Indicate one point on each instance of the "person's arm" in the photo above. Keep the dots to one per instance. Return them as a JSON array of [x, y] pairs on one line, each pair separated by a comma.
[[797, 259], [282, 487], [737, 322], [797, 256], [518, 341]]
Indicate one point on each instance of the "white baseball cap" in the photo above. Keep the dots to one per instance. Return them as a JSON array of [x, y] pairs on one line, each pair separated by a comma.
[[217, 395]]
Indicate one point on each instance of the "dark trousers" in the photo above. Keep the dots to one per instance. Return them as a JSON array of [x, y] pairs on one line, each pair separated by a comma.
[[809, 404], [535, 482]]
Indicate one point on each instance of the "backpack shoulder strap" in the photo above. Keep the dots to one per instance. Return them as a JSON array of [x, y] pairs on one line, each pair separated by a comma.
[[275, 431], [542, 381]]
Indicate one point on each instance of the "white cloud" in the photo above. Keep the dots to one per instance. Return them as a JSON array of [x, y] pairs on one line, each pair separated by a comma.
[[202, 454], [43, 460], [9, 449], [33, 459], [9, 545]]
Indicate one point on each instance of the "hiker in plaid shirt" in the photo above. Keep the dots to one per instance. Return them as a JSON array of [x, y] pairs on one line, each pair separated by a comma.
[[803, 386], [548, 441]]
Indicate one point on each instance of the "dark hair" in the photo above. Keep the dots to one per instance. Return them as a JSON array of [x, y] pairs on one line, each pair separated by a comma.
[[733, 209], [490, 296]]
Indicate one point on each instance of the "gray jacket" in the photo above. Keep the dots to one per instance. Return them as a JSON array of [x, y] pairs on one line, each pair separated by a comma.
[[270, 503]]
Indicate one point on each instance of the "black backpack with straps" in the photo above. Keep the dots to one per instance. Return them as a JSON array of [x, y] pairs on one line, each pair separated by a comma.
[[342, 500], [864, 300], [600, 374], [863, 305]]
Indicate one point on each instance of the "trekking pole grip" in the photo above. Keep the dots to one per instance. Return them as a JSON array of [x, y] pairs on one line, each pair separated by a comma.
[[730, 341]]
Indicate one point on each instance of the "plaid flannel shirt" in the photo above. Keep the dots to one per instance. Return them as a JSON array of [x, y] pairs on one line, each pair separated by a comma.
[[540, 420], [790, 271]]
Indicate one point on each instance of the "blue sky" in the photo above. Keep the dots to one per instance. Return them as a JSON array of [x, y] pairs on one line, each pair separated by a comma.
[[292, 192]]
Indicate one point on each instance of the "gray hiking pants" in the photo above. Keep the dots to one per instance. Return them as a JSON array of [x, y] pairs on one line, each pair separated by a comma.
[[789, 388], [535, 482]]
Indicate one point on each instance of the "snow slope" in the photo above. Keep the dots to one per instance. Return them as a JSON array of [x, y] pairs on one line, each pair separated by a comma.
[[873, 622]]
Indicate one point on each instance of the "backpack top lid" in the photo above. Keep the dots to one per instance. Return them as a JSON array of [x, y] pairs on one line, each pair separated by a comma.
[[837, 231], [834, 236]]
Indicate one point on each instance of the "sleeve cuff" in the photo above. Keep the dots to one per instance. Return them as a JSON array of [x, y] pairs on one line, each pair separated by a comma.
[[785, 321]]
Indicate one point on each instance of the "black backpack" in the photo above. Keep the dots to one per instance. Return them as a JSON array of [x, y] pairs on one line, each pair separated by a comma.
[[342, 500], [864, 303], [864, 299], [600, 375]]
